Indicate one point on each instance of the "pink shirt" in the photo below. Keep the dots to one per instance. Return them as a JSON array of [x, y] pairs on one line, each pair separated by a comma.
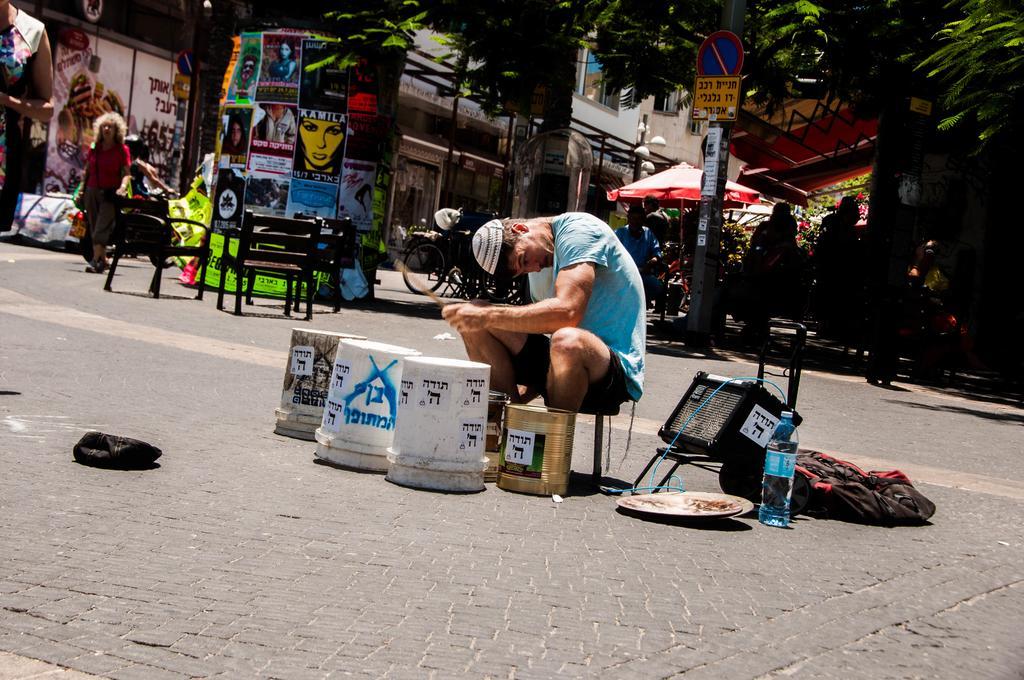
[[105, 166]]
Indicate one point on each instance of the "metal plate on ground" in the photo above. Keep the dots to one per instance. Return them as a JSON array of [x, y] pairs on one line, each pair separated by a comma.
[[688, 504]]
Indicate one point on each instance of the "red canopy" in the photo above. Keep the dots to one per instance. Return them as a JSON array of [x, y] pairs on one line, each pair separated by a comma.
[[679, 183], [805, 145]]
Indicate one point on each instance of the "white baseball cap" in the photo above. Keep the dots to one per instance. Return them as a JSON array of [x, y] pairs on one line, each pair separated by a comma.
[[487, 245]]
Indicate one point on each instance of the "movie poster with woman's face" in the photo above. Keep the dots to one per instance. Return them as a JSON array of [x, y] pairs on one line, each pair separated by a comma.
[[234, 139], [317, 166], [279, 70], [320, 145], [242, 88]]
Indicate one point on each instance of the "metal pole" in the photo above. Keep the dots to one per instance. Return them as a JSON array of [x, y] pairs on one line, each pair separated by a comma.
[[505, 206], [732, 15], [699, 320], [636, 159], [190, 157], [448, 190]]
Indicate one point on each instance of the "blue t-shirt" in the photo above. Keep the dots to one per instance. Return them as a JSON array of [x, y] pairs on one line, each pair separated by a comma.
[[616, 312], [640, 249]]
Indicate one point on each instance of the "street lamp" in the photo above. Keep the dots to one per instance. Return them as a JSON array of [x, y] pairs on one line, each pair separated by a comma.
[[642, 165], [641, 152]]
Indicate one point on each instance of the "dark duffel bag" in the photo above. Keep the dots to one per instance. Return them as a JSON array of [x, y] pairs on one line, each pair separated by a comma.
[[841, 490]]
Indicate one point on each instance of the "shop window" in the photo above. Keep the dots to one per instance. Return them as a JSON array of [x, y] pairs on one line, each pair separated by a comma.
[[464, 182], [415, 199]]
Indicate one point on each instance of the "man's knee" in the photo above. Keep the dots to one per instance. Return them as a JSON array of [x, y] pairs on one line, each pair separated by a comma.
[[568, 344]]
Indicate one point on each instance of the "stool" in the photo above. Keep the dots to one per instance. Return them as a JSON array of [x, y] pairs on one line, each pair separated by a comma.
[[596, 475]]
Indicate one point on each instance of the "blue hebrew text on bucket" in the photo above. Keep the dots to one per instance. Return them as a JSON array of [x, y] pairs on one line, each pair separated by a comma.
[[374, 401]]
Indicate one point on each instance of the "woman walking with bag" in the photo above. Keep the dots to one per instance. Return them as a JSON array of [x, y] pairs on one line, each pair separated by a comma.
[[26, 84], [106, 172]]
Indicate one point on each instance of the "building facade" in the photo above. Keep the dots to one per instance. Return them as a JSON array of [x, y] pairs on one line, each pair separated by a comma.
[[118, 56]]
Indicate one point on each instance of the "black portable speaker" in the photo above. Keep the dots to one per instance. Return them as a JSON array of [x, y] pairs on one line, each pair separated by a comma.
[[736, 424]]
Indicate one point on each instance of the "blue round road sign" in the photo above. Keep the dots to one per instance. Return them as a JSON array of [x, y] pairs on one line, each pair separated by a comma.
[[185, 62], [721, 54]]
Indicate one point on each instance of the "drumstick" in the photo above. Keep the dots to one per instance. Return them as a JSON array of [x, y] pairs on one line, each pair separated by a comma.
[[400, 266]]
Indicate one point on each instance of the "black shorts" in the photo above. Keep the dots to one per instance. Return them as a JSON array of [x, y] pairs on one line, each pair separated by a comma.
[[531, 369]]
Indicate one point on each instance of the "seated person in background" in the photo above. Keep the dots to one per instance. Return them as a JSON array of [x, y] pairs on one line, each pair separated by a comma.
[[657, 220], [642, 245], [593, 312], [145, 178], [941, 286]]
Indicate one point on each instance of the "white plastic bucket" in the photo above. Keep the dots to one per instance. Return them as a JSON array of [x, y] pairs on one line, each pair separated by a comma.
[[307, 380], [358, 424], [442, 425]]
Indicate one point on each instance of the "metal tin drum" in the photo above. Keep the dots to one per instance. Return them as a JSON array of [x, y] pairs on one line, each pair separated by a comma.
[[307, 381], [536, 449], [496, 403]]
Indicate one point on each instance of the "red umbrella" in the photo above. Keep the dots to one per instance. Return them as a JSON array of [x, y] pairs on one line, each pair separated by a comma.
[[679, 183]]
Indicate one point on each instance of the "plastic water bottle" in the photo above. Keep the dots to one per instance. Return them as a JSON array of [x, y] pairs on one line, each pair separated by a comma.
[[779, 465]]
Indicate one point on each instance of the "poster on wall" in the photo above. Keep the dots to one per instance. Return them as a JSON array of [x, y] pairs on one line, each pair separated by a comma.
[[320, 144], [234, 140], [80, 97], [154, 112], [267, 194], [324, 88], [229, 72], [362, 93], [242, 87], [227, 202], [317, 163], [366, 136], [279, 70], [355, 199], [308, 198], [272, 146]]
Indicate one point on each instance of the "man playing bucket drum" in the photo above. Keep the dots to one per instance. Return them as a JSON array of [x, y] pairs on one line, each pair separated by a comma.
[[592, 307]]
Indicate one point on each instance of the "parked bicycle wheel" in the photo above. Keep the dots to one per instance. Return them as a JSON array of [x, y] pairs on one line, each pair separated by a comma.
[[514, 292], [425, 267]]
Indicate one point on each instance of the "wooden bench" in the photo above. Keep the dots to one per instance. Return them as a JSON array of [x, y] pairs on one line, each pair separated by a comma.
[[273, 245], [145, 228], [336, 250]]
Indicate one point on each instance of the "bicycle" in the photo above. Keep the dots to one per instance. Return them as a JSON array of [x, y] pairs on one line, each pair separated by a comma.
[[441, 261]]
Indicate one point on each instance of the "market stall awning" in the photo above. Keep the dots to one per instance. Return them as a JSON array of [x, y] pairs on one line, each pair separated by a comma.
[[805, 145], [678, 183]]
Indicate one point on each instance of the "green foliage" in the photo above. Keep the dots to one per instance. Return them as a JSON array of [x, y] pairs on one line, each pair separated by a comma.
[[379, 31], [734, 244], [866, 53], [980, 63], [859, 52], [507, 48], [651, 45]]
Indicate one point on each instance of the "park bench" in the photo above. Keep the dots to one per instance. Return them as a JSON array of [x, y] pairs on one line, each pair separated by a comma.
[[145, 228]]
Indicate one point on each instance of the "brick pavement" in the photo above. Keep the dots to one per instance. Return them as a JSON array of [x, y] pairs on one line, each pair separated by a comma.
[[241, 557]]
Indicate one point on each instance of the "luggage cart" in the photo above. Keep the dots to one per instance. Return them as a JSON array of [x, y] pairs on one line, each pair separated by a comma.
[[729, 432]]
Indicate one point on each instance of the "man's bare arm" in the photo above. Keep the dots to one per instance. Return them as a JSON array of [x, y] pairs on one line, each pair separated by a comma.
[[572, 294]]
